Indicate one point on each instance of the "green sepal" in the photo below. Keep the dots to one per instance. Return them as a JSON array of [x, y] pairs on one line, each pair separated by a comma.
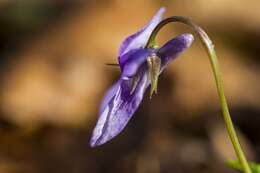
[[154, 66]]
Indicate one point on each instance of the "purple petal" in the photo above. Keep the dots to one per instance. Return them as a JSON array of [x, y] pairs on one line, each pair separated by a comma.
[[139, 39], [109, 95], [119, 109], [174, 47], [134, 61]]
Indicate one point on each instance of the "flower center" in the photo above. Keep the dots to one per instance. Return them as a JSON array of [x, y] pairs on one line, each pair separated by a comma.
[[154, 66]]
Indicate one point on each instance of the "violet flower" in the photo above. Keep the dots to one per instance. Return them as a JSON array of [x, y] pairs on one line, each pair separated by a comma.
[[140, 67]]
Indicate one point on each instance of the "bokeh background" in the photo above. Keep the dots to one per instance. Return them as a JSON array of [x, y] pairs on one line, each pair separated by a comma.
[[53, 77]]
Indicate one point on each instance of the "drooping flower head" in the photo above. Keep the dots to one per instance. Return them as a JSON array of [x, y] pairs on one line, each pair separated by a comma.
[[140, 68]]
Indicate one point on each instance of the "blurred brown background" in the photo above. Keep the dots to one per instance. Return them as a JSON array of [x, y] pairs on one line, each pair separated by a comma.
[[53, 78]]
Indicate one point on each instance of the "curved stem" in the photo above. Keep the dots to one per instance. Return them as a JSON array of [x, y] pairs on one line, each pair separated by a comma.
[[207, 43]]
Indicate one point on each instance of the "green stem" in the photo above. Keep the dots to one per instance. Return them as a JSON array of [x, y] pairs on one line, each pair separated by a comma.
[[207, 43]]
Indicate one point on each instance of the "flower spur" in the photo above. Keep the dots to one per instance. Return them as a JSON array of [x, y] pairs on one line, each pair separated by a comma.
[[140, 67]]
